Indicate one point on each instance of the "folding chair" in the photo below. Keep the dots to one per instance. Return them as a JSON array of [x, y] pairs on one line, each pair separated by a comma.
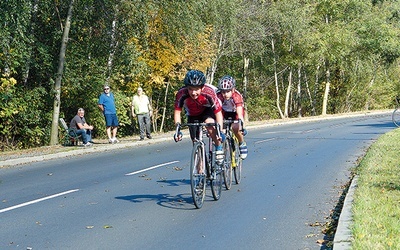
[[70, 136]]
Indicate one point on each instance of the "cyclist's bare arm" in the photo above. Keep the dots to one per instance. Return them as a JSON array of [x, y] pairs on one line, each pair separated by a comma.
[[219, 119], [240, 113], [177, 116]]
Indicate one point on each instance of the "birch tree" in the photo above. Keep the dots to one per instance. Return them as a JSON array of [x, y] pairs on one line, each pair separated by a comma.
[[60, 70]]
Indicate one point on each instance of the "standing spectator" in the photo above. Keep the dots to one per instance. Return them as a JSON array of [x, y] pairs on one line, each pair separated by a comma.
[[79, 125], [106, 104], [141, 108]]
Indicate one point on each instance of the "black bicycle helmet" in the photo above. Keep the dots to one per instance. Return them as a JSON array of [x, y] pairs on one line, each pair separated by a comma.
[[226, 83], [194, 78]]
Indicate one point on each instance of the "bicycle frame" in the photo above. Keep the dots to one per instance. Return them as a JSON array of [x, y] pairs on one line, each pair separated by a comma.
[[205, 166], [236, 161]]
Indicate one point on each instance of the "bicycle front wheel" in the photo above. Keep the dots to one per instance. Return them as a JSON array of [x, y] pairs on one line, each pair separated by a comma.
[[396, 117], [197, 175], [216, 180], [237, 170], [227, 167]]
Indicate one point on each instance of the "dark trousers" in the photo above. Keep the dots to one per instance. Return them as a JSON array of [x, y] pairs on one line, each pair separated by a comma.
[[86, 135], [144, 124]]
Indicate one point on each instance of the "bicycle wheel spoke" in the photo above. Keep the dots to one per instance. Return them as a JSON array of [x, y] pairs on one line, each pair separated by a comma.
[[238, 163], [227, 169], [197, 176], [216, 182]]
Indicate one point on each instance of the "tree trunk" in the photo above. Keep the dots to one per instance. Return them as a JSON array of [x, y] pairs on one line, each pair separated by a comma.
[[289, 89], [165, 107], [57, 84], [113, 45], [312, 104], [298, 98], [326, 94], [276, 79], [211, 71]]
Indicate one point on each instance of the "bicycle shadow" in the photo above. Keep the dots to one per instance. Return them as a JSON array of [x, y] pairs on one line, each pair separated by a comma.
[[182, 201]]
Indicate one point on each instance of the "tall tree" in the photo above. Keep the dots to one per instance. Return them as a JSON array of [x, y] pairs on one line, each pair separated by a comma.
[[60, 70]]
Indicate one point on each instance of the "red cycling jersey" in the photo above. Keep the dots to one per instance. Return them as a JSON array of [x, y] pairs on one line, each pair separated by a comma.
[[207, 99], [230, 105]]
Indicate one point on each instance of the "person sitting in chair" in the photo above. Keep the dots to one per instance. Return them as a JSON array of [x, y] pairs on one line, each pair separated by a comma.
[[78, 123]]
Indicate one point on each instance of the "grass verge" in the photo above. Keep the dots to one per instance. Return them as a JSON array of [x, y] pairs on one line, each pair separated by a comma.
[[376, 207]]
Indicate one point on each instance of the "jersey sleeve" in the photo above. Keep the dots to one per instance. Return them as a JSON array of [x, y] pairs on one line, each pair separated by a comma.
[[211, 94], [180, 99], [238, 99]]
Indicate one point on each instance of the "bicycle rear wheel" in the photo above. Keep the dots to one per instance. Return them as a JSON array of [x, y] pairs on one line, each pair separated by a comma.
[[237, 170], [396, 117], [216, 181], [227, 168], [197, 175]]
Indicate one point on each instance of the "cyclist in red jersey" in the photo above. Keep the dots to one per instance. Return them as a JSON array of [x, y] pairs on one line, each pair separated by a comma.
[[201, 104], [232, 108]]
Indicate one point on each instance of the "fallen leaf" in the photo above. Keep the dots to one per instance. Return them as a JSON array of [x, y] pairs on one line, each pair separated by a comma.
[[89, 227], [107, 226]]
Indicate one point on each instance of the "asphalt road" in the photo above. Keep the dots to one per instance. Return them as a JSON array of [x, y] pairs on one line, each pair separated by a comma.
[[139, 197]]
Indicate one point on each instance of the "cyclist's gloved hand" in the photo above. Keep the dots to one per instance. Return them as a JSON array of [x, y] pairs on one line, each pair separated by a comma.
[[178, 136], [244, 132], [222, 136]]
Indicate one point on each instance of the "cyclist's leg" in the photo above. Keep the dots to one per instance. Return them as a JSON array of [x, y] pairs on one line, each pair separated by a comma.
[[242, 144], [209, 117]]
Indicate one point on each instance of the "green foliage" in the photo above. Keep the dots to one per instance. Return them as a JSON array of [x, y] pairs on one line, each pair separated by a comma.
[[23, 120], [131, 43]]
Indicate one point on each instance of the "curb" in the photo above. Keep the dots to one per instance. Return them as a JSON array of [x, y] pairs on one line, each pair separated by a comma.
[[343, 235]]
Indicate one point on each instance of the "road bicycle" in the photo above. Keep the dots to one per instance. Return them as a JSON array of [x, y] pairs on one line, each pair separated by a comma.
[[396, 113], [203, 167], [234, 154]]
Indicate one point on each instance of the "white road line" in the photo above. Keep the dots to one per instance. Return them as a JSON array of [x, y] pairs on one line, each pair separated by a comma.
[[150, 168], [38, 200], [271, 139]]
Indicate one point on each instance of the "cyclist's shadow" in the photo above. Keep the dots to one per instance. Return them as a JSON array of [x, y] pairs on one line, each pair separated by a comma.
[[179, 201]]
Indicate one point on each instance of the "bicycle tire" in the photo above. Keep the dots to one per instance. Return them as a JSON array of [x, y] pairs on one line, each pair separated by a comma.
[[396, 117], [237, 170], [197, 180], [216, 180], [227, 170]]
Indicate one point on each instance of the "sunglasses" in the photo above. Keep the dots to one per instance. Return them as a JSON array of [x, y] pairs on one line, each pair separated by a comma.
[[106, 88]]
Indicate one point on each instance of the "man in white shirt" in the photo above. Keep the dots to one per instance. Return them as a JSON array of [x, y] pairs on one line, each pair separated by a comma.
[[141, 108]]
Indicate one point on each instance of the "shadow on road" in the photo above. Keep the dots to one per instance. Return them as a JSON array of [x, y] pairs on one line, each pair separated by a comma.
[[180, 201]]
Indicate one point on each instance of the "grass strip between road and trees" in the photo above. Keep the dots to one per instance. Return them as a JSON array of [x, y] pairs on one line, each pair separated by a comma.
[[376, 207]]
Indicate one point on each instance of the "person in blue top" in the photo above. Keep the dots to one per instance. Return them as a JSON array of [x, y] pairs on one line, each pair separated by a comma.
[[106, 104]]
